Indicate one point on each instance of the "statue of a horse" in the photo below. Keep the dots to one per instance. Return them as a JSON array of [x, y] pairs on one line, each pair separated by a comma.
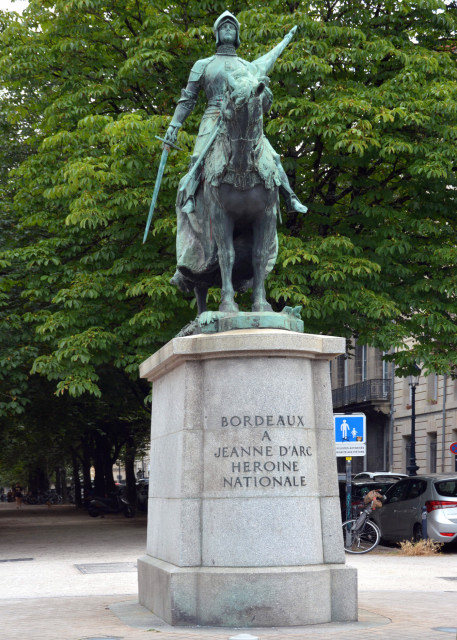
[[230, 241]]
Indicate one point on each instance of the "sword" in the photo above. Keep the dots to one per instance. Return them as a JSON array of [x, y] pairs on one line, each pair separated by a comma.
[[163, 162]]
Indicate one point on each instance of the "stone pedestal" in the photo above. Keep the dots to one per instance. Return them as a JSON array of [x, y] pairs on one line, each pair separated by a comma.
[[244, 524]]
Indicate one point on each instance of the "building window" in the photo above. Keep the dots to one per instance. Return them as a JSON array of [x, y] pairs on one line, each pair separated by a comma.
[[407, 450], [361, 363], [385, 374], [407, 392], [432, 389], [432, 446], [340, 369]]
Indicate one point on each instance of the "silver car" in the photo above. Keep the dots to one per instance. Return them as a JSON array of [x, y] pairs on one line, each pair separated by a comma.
[[380, 476], [401, 516]]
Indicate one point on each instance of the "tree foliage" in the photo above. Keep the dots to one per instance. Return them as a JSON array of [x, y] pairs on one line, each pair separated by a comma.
[[364, 116]]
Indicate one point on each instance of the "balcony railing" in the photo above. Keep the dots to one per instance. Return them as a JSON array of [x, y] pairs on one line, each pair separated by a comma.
[[366, 391]]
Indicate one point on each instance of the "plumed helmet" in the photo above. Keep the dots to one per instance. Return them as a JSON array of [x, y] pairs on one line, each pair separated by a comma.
[[227, 17]]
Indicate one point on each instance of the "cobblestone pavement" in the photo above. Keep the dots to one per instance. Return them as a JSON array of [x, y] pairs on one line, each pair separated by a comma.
[[66, 576]]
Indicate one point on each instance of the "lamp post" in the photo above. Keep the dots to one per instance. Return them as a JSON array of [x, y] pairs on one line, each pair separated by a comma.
[[413, 382]]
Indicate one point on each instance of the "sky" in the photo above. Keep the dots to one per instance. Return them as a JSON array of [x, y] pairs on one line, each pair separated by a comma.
[[7, 5]]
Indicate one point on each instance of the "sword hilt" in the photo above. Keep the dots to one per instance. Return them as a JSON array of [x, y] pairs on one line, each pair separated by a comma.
[[169, 144]]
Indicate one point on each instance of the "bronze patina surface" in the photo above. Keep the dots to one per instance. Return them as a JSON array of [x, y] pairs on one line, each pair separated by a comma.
[[228, 203]]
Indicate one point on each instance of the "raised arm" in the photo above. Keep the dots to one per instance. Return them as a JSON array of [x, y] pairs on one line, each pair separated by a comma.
[[266, 62]]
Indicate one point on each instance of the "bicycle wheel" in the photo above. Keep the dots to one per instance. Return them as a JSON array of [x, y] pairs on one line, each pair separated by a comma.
[[360, 541]]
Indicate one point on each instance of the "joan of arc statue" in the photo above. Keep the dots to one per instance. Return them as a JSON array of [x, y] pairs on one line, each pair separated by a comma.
[[197, 256]]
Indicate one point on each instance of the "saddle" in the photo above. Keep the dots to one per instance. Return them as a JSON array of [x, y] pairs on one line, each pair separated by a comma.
[[263, 167]]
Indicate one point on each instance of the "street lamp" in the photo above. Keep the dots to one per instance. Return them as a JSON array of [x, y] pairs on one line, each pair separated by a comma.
[[413, 382]]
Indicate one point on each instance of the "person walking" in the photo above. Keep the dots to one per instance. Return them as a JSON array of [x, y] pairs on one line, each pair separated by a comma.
[[18, 495]]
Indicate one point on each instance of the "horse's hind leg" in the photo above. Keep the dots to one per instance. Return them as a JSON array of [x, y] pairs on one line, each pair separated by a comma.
[[262, 233], [200, 295], [223, 234]]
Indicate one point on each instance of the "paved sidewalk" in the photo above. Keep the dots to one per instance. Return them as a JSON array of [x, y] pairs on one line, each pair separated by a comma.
[[66, 576]]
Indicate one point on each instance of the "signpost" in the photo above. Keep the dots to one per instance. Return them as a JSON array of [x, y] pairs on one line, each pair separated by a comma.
[[350, 440], [350, 434], [453, 448]]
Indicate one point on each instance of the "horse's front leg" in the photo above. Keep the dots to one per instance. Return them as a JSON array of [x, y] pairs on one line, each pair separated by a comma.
[[200, 295], [262, 234], [223, 234]]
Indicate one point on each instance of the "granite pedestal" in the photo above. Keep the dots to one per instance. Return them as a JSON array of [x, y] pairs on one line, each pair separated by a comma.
[[244, 524]]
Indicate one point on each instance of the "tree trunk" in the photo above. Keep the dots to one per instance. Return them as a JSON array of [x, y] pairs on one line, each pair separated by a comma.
[[130, 453], [63, 484], [58, 482], [76, 482], [38, 481], [108, 468], [87, 481]]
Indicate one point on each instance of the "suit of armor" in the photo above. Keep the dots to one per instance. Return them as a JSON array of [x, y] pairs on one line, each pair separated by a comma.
[[210, 74]]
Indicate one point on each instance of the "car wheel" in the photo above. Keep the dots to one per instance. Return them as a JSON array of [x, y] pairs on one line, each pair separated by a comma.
[[93, 512], [417, 532]]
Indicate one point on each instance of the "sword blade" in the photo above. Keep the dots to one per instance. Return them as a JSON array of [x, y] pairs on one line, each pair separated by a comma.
[[163, 162]]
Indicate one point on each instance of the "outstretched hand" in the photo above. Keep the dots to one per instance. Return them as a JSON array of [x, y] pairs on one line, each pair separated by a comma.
[[291, 33]]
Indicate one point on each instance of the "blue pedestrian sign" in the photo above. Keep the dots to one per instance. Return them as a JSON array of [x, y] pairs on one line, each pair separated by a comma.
[[350, 434]]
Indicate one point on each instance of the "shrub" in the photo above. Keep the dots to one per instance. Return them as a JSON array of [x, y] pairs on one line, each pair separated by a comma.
[[424, 547]]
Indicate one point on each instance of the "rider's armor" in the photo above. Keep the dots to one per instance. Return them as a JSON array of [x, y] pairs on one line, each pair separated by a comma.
[[210, 74]]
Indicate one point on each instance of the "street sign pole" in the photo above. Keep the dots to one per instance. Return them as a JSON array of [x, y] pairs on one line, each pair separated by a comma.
[[348, 488], [350, 441], [348, 499]]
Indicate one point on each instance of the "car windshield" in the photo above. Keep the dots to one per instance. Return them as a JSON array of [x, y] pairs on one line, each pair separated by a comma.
[[359, 491], [447, 488]]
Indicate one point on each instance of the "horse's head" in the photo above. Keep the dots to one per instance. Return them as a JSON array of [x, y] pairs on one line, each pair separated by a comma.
[[244, 91]]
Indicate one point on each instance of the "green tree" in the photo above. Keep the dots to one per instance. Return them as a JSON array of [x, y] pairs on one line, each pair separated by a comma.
[[365, 118]]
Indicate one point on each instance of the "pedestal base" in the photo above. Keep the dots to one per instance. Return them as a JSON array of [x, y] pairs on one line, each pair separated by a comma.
[[248, 596], [244, 520], [220, 322]]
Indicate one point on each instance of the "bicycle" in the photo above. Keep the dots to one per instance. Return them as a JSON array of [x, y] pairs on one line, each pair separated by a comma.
[[361, 535]]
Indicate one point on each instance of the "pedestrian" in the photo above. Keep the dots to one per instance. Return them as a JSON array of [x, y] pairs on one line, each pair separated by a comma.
[[18, 495]]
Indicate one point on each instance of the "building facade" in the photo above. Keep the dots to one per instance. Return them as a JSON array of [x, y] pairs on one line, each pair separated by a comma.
[[436, 424], [365, 383], [362, 383]]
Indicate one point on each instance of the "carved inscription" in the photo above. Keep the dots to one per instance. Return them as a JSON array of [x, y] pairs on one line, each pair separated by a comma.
[[262, 421], [269, 465]]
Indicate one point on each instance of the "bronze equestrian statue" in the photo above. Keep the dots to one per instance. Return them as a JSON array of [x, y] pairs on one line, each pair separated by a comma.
[[228, 202]]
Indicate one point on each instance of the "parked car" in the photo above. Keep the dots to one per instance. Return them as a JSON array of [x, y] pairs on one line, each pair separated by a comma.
[[380, 476], [359, 491], [401, 516], [142, 490]]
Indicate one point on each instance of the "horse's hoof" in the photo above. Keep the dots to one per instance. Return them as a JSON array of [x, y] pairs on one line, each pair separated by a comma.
[[228, 307], [262, 306]]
